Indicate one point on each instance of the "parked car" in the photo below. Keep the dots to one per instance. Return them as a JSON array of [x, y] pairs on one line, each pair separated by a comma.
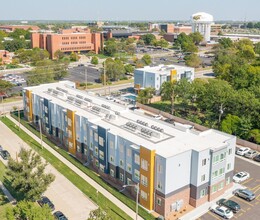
[[241, 176], [250, 154], [233, 206], [245, 194], [157, 117], [5, 154], [45, 201], [59, 215], [242, 151], [257, 158], [222, 211]]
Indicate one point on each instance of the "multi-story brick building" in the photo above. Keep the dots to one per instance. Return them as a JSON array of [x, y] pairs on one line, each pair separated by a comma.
[[174, 164], [71, 40]]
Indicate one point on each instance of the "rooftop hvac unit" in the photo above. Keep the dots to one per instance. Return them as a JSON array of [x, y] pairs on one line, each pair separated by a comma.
[[62, 90], [88, 100], [79, 96]]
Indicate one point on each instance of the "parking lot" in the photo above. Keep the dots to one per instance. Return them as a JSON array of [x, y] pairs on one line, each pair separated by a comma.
[[249, 210]]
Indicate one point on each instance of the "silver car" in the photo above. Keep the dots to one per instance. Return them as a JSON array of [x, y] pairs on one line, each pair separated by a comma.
[[250, 154], [245, 194]]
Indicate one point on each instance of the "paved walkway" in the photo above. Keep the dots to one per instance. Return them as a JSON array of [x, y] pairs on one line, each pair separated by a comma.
[[100, 189], [7, 193]]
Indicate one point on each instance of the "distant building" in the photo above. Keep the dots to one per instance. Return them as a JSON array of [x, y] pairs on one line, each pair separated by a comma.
[[201, 22], [69, 40], [11, 28], [155, 76], [216, 29], [5, 57], [167, 28]]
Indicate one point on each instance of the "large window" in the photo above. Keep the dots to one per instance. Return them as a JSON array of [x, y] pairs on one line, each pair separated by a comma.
[[137, 174], [144, 164], [203, 177], [144, 180], [101, 155], [121, 176], [204, 161], [112, 172], [159, 201], [129, 168], [101, 141], [202, 193], [137, 159], [96, 137], [143, 195], [121, 163]]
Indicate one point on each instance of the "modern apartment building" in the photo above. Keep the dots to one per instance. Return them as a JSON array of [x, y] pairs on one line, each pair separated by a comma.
[[155, 76], [71, 40], [174, 164]]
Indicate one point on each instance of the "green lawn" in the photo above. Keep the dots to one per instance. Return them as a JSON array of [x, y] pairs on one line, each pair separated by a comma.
[[86, 188]]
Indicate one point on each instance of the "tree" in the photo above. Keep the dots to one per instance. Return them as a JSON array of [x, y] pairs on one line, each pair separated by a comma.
[[99, 214], [147, 59], [27, 175], [20, 33], [196, 37], [129, 68], [114, 69], [148, 38], [94, 60], [225, 43], [59, 55], [161, 43], [186, 43], [14, 45], [230, 124], [254, 136], [74, 57], [192, 60], [257, 48], [25, 210], [145, 95], [110, 47], [168, 93], [5, 86]]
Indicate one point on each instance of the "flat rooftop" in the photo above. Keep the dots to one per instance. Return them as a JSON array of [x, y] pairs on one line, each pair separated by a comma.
[[165, 69], [167, 139]]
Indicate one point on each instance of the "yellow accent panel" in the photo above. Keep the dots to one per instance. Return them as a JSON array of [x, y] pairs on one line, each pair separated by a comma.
[[71, 129], [149, 156], [29, 104], [173, 74]]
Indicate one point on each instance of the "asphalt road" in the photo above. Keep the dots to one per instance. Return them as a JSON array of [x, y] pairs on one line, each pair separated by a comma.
[[65, 196], [249, 210], [7, 107], [83, 74]]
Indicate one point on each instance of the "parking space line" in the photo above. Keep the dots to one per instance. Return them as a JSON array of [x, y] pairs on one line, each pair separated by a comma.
[[242, 200], [258, 197], [257, 203], [240, 214], [213, 215], [234, 216], [248, 208], [247, 181], [257, 189], [252, 189], [242, 210]]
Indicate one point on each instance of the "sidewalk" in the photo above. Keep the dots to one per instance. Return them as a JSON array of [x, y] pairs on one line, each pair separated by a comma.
[[201, 210], [99, 188], [7, 193]]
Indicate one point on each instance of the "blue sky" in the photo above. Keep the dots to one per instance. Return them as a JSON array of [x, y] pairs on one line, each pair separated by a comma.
[[127, 10]]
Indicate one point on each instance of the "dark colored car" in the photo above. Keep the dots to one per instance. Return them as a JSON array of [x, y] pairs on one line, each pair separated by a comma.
[[4, 154], [45, 201], [60, 216], [245, 194], [257, 158], [229, 204]]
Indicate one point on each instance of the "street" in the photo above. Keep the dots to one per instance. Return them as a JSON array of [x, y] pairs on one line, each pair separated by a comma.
[[65, 196], [7, 107]]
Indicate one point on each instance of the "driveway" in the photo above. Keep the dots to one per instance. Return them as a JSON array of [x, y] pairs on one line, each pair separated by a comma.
[[65, 196]]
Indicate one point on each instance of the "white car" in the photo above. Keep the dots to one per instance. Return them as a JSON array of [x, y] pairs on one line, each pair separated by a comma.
[[250, 154], [157, 117], [241, 176], [242, 151], [222, 211]]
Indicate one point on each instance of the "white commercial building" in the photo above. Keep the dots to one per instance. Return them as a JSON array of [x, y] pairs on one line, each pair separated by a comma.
[[155, 76], [201, 22]]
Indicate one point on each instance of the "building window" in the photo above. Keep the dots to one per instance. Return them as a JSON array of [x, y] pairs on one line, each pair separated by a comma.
[[85, 139], [143, 195], [112, 172], [69, 122], [102, 167], [101, 155], [214, 189], [91, 146], [101, 141], [121, 148], [228, 180], [70, 134], [97, 163], [221, 185], [121, 176], [229, 151], [128, 181], [222, 156], [70, 145], [144, 180], [85, 151], [159, 168], [78, 148], [112, 159], [129, 168], [137, 159], [96, 150], [91, 133], [96, 137], [137, 174], [144, 164], [129, 153], [221, 171], [204, 161], [202, 193], [228, 166], [159, 201], [159, 185], [215, 174], [203, 177], [121, 163], [84, 127], [215, 159]]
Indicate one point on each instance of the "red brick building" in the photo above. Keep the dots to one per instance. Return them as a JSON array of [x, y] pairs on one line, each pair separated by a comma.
[[71, 40]]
